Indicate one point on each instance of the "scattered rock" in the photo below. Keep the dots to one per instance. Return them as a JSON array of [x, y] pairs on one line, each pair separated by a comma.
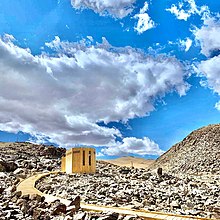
[[136, 189]]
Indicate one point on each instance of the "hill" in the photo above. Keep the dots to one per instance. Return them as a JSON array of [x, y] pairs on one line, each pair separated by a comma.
[[131, 161], [198, 153]]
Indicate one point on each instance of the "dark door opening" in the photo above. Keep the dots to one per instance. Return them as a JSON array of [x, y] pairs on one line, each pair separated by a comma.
[[84, 157], [90, 158]]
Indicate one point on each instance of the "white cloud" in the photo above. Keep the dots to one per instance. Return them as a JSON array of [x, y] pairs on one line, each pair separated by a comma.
[[208, 36], [61, 98], [185, 9], [99, 154], [90, 38], [210, 69], [217, 105], [134, 145], [116, 9], [185, 44], [144, 20]]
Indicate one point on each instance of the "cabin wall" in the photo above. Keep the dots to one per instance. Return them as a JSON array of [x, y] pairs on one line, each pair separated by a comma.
[[79, 160]]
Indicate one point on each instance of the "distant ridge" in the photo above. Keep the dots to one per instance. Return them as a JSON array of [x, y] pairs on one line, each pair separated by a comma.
[[129, 161], [198, 153]]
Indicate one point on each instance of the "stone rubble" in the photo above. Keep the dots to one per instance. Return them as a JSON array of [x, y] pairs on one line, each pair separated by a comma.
[[138, 189], [33, 207]]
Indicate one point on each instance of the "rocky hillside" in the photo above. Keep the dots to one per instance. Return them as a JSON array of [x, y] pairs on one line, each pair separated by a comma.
[[26, 158], [198, 153]]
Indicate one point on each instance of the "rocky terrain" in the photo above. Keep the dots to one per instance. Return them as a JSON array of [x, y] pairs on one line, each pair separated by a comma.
[[20, 160], [198, 153], [26, 158], [138, 189]]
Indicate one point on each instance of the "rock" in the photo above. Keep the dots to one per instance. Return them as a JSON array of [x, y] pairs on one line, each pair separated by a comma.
[[2, 174], [38, 213], [26, 197], [17, 194], [2, 166], [76, 203], [194, 212], [209, 202], [25, 208], [124, 170], [79, 216], [10, 189], [130, 217], [175, 204], [16, 182], [36, 197], [19, 171], [159, 171], [21, 201], [10, 166], [68, 217], [58, 208], [109, 216]]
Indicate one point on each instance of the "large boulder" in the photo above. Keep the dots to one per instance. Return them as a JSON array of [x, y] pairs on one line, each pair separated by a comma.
[[7, 166]]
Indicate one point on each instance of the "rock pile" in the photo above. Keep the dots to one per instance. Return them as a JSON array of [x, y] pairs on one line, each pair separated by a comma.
[[138, 189], [198, 153]]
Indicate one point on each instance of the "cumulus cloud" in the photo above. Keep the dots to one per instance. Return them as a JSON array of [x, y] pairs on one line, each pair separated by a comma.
[[185, 9], [134, 145], [185, 44], [61, 98], [210, 69], [144, 20], [116, 9], [208, 36], [217, 105], [99, 154]]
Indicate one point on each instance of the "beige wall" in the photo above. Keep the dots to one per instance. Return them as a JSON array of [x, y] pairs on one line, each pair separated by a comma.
[[69, 161], [75, 163], [63, 164]]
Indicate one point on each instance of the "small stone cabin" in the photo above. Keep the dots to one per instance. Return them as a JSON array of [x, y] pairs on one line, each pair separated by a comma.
[[79, 160]]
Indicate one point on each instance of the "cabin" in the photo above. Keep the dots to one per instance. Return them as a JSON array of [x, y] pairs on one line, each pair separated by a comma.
[[79, 160]]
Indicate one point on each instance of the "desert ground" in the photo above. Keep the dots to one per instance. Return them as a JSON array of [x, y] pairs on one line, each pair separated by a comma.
[[127, 161]]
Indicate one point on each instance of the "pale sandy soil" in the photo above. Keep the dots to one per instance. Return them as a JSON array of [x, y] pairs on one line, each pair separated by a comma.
[[131, 161]]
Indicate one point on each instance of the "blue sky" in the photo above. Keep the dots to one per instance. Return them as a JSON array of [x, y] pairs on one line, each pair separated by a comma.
[[128, 77]]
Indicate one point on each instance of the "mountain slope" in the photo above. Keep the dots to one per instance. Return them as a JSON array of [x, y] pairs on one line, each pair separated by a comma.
[[198, 153]]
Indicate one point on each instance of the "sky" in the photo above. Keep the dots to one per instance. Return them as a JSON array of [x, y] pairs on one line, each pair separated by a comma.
[[127, 77]]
